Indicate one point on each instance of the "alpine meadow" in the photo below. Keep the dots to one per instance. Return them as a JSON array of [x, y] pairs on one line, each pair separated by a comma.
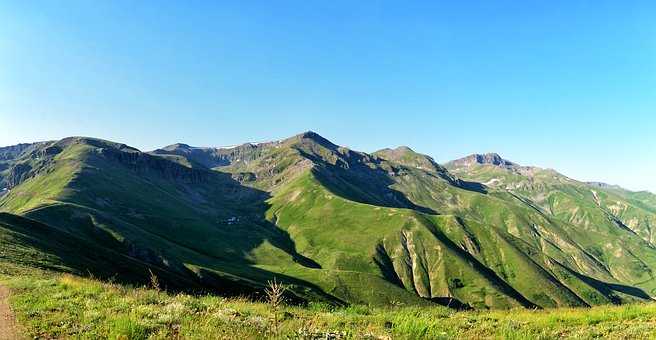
[[338, 227], [327, 170]]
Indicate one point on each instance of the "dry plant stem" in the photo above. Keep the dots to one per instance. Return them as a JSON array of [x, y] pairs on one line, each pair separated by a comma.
[[274, 293], [154, 281]]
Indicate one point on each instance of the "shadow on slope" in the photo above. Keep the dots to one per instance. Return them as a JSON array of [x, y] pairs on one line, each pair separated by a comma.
[[38, 245], [125, 212], [471, 186], [357, 177], [609, 289], [368, 179], [28, 242]]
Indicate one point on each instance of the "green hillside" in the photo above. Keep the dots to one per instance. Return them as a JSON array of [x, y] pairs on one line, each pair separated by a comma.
[[339, 226], [52, 306]]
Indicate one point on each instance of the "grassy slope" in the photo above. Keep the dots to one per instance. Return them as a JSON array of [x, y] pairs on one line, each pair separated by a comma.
[[28, 243], [589, 216], [347, 226], [349, 240], [455, 264], [140, 213], [176, 225], [541, 245], [60, 306]]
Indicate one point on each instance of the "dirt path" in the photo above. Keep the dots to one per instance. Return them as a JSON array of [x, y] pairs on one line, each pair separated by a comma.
[[7, 319]]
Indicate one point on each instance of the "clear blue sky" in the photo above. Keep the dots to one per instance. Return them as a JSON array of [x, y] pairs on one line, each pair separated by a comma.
[[564, 84]]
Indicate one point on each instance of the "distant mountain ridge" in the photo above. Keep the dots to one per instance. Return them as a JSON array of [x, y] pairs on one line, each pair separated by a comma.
[[488, 158], [338, 225], [605, 185], [406, 156]]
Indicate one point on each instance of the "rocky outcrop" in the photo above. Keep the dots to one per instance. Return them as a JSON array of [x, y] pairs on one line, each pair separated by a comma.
[[17, 174], [146, 164], [488, 158], [13, 152], [215, 157]]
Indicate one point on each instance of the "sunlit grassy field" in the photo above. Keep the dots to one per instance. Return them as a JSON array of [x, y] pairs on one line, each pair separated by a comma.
[[51, 305]]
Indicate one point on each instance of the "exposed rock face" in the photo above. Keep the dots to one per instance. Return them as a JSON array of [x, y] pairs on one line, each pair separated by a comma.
[[17, 174], [145, 163], [12, 152], [215, 157], [488, 158], [21, 162], [38, 158], [9, 156], [240, 155]]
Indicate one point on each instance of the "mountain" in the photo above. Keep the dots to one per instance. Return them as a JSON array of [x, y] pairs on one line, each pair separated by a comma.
[[338, 225], [588, 203], [604, 185], [481, 159], [406, 156], [8, 157]]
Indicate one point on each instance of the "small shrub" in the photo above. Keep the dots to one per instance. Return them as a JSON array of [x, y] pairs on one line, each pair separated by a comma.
[[124, 328], [356, 310], [317, 306]]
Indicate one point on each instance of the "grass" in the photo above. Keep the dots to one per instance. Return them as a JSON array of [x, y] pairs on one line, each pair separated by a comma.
[[336, 226], [50, 305]]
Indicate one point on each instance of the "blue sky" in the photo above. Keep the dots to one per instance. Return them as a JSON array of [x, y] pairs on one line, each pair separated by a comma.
[[569, 85]]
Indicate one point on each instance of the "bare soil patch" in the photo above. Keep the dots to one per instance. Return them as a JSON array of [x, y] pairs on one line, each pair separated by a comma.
[[8, 326]]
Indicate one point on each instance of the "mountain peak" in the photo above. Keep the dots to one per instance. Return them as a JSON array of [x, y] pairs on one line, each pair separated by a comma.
[[404, 148], [94, 142], [398, 152], [484, 159], [177, 146], [312, 137], [309, 134], [181, 145], [406, 156]]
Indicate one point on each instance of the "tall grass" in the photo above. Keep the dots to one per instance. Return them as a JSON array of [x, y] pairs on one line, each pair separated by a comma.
[[66, 306]]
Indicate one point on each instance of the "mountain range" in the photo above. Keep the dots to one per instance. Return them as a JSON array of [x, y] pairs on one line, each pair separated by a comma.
[[337, 225]]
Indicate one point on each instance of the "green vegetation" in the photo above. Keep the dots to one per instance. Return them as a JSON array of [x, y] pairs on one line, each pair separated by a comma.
[[336, 226], [51, 305]]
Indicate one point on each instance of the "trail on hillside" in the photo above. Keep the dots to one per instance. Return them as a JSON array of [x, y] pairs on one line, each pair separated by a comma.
[[7, 318]]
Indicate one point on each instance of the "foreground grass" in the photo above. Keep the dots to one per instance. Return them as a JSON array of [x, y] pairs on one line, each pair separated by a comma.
[[65, 306]]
